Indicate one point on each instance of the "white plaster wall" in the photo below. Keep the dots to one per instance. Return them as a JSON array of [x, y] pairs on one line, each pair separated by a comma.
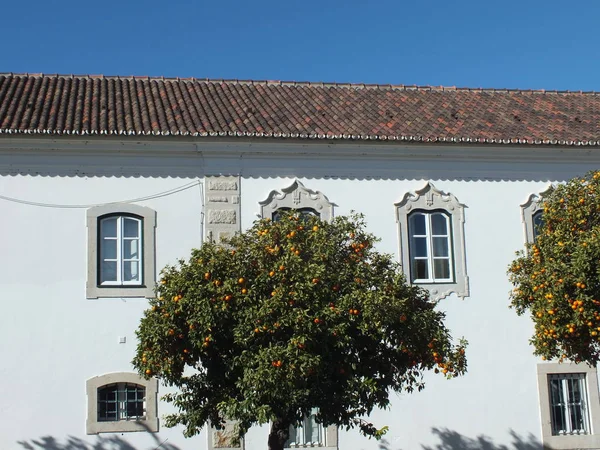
[[499, 394], [53, 339]]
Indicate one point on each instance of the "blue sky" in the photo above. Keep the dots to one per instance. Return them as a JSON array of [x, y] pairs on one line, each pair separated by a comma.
[[528, 44]]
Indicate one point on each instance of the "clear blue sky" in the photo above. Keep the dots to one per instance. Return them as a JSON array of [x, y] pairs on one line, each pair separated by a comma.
[[533, 44]]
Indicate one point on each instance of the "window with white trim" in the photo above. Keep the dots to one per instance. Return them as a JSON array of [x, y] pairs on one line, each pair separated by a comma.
[[569, 405], [532, 215], [121, 256], [120, 259], [121, 402], [309, 433], [430, 247], [432, 241], [298, 198]]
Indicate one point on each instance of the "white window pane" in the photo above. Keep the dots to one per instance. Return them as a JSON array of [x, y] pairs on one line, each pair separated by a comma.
[[131, 227], [416, 224], [108, 227], [312, 430], [130, 271], [131, 249], [419, 247], [108, 271], [441, 268], [439, 224], [420, 270], [440, 246], [108, 249]]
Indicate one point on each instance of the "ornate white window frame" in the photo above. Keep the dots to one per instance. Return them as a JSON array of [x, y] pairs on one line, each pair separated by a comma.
[[562, 442], [150, 421], [430, 199], [296, 196], [532, 206], [148, 216]]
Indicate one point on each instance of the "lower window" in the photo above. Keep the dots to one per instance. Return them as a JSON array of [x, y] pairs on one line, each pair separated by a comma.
[[569, 405], [308, 433], [121, 402]]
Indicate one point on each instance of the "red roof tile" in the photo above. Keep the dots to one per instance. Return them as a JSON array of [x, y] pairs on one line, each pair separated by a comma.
[[87, 105]]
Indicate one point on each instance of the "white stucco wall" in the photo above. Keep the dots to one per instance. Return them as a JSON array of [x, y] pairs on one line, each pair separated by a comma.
[[53, 339]]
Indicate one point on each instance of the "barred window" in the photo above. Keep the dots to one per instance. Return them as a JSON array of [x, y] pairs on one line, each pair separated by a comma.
[[121, 401], [568, 403]]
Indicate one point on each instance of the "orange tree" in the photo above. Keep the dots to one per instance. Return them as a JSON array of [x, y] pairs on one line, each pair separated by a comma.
[[557, 279], [287, 317]]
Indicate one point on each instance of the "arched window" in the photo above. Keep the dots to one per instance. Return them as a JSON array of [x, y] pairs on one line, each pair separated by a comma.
[[430, 247], [121, 256], [532, 215], [121, 402], [432, 241]]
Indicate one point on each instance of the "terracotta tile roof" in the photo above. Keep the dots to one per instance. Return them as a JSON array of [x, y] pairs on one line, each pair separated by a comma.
[[136, 106]]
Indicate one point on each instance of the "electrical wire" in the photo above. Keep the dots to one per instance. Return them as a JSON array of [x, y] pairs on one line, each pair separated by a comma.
[[134, 200]]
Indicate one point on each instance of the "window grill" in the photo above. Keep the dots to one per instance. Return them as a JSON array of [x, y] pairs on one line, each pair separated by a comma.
[[121, 401], [568, 404]]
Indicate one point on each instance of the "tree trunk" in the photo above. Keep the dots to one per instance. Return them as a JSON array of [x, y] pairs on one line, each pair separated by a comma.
[[280, 433]]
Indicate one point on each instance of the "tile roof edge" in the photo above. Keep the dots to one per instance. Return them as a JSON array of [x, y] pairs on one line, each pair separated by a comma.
[[317, 84], [401, 139]]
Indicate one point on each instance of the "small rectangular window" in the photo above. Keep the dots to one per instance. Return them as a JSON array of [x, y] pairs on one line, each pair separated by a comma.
[[120, 402], [568, 403]]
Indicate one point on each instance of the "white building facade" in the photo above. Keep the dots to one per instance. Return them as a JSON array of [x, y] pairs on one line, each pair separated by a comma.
[[89, 221]]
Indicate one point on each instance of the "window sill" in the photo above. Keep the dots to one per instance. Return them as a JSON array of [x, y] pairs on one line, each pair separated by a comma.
[[571, 441], [122, 426], [93, 292]]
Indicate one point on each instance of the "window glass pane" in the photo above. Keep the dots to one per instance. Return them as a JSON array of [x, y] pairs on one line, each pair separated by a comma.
[[441, 268], [419, 247], [130, 271], [131, 248], [440, 246], [293, 437], [108, 227], [108, 271], [538, 222], [416, 224], [419, 269], [131, 227], [109, 249], [439, 223], [313, 434]]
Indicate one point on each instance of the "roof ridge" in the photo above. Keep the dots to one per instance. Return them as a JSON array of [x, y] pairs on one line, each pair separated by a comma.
[[349, 85]]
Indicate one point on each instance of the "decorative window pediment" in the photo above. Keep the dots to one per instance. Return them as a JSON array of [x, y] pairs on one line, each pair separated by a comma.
[[297, 197], [531, 214], [432, 242]]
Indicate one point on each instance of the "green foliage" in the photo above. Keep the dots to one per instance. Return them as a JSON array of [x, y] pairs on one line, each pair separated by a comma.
[[557, 279], [289, 316]]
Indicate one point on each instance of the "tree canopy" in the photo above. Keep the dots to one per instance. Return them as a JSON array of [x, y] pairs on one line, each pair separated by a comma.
[[557, 279], [286, 317]]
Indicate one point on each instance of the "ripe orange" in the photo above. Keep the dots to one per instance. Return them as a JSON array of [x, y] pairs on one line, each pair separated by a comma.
[[148, 372], [315, 228], [241, 281], [244, 291]]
